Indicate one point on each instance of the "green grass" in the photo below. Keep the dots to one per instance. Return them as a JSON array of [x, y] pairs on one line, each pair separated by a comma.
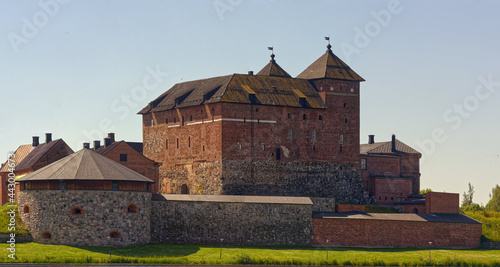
[[196, 254], [491, 223], [4, 221], [379, 209]]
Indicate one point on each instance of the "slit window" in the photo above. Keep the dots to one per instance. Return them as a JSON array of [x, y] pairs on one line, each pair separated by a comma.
[[289, 115], [320, 117], [313, 136], [278, 154], [177, 142], [166, 144], [341, 138], [189, 141], [304, 117], [76, 211], [290, 134]]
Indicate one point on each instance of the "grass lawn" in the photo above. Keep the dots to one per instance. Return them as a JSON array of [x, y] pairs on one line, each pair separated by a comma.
[[196, 254], [491, 223], [4, 221]]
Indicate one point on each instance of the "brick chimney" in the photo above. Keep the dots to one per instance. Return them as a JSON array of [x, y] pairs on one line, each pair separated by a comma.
[[112, 137], [48, 137], [250, 72], [371, 139], [107, 142], [36, 141], [393, 143], [86, 145], [97, 144]]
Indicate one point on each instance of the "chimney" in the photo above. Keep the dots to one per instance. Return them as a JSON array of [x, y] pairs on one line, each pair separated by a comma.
[[250, 72], [107, 142], [48, 137], [86, 145], [371, 139], [36, 141], [112, 137], [97, 144], [393, 143]]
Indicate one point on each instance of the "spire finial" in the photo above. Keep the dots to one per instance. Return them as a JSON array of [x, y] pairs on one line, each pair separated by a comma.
[[328, 39], [272, 52]]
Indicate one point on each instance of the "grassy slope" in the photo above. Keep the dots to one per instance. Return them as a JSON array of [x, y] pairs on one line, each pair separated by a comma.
[[4, 221], [195, 254], [491, 223]]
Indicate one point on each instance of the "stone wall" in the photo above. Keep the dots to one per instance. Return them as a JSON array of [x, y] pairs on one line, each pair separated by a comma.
[[102, 212], [275, 178], [238, 223], [205, 178]]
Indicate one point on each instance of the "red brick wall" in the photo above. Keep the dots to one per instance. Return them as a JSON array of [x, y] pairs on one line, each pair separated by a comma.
[[390, 190], [436, 202], [137, 162], [378, 165], [412, 208], [346, 207], [384, 233]]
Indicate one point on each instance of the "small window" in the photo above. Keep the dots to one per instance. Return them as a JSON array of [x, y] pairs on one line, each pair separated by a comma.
[[182, 122], [263, 147], [166, 144], [26, 209], [345, 120], [114, 186], [240, 146], [304, 117], [115, 234], [392, 198], [244, 119], [132, 208], [76, 211], [184, 189], [320, 117], [340, 149], [189, 141], [166, 120], [289, 115], [256, 110], [345, 105], [341, 138], [175, 120], [363, 164], [313, 136], [177, 142], [278, 154], [290, 134], [46, 235], [62, 185], [190, 117], [123, 157], [203, 148]]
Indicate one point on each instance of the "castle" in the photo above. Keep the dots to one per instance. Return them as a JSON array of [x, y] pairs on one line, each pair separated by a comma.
[[252, 159]]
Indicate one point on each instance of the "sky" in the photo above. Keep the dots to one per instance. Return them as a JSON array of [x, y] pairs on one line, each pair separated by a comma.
[[81, 69]]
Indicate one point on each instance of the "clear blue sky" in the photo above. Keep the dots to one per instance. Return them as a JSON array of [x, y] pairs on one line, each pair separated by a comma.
[[77, 68]]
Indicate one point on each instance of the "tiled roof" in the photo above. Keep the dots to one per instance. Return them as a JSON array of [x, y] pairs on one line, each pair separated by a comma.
[[239, 88], [329, 66], [36, 154], [235, 199], [85, 165], [386, 148], [273, 69], [104, 150], [136, 145], [20, 154], [432, 217]]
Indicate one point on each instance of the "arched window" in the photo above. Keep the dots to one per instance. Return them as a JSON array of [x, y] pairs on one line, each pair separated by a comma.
[[26, 209], [115, 234], [184, 189], [132, 208], [76, 210], [46, 235]]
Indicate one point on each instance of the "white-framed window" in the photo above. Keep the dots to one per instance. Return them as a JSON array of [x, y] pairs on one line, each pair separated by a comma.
[[363, 164]]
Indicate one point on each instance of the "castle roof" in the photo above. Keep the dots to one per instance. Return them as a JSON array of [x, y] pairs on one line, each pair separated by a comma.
[[273, 69], [330, 66], [233, 199], [36, 154], [20, 154], [386, 148], [431, 217], [85, 165], [239, 88]]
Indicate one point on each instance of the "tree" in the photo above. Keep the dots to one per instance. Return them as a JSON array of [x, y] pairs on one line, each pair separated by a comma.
[[425, 191], [494, 203], [467, 201]]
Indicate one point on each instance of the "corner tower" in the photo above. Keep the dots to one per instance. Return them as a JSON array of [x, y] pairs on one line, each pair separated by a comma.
[[338, 85]]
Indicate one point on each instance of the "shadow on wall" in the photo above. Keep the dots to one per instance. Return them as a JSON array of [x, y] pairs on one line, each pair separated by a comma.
[[147, 250]]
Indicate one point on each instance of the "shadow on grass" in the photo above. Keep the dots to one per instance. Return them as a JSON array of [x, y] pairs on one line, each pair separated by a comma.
[[146, 250]]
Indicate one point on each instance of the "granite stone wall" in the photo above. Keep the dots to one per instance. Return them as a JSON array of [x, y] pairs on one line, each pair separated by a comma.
[[184, 222], [308, 179], [102, 212]]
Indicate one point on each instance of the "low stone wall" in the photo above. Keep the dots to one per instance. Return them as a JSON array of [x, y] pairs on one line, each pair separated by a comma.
[[491, 245], [309, 179], [102, 212], [323, 203], [239, 222]]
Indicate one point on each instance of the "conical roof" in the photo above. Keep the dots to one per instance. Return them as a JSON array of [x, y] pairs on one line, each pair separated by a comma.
[[329, 66], [85, 165], [273, 69]]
